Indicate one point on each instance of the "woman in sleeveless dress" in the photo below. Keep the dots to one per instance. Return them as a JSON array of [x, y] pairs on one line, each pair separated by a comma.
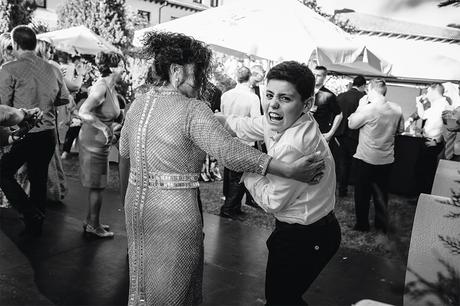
[[164, 141], [101, 116]]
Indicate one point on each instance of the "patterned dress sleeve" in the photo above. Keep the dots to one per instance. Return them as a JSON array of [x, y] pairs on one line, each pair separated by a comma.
[[208, 134], [125, 135]]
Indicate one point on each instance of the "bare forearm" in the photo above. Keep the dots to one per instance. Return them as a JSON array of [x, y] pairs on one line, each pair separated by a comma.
[[10, 116], [335, 124], [92, 120]]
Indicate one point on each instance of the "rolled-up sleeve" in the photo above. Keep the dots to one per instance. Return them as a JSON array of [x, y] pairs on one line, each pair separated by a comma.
[[6, 87], [247, 128]]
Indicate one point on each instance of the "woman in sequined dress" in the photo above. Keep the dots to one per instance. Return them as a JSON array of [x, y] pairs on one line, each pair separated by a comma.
[[166, 136]]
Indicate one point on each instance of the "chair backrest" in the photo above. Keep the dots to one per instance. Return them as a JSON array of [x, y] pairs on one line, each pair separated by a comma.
[[433, 263]]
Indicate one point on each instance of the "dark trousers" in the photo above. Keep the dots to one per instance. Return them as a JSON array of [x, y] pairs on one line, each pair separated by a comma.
[[296, 255], [36, 149], [427, 164], [371, 181], [346, 150], [233, 192], [70, 136]]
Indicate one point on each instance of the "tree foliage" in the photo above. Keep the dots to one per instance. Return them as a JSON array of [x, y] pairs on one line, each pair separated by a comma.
[[344, 25], [15, 12], [109, 19]]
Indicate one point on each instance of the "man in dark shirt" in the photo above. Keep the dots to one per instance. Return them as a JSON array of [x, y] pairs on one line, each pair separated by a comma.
[[326, 111], [347, 138], [30, 82]]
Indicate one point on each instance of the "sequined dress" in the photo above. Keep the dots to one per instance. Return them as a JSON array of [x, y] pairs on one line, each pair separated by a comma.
[[166, 137]]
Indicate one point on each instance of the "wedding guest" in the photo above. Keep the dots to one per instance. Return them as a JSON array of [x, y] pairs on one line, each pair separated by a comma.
[[307, 233], [166, 136], [30, 82], [101, 116]]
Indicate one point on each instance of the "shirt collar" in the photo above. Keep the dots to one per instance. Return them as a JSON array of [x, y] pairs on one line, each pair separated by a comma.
[[27, 54]]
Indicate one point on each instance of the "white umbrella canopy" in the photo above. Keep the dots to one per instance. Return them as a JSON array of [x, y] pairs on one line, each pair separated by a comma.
[[417, 59], [275, 30], [79, 40]]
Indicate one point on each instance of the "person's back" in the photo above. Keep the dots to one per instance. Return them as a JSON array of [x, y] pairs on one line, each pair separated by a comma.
[[378, 122], [376, 137], [348, 102], [36, 84], [240, 101]]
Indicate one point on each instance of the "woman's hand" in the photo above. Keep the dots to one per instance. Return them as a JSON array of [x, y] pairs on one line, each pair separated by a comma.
[[308, 169], [116, 132], [108, 135]]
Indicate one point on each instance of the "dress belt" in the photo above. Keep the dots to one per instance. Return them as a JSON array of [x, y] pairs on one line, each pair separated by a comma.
[[161, 180]]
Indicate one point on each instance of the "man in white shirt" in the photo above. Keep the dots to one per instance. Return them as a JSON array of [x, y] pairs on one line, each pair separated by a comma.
[[430, 113], [306, 234], [239, 101], [378, 122]]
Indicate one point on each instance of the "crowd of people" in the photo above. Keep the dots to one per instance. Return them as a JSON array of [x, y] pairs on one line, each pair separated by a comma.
[[281, 136]]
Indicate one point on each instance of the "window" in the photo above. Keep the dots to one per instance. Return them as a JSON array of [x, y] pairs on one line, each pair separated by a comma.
[[197, 1], [38, 3], [144, 14], [214, 3]]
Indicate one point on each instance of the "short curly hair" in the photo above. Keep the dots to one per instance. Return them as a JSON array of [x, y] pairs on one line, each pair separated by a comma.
[[168, 48], [295, 73], [107, 60]]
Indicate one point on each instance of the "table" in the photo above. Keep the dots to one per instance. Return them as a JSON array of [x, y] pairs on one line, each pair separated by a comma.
[[402, 177]]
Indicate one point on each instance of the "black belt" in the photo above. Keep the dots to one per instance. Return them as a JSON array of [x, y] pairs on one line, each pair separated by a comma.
[[327, 219]]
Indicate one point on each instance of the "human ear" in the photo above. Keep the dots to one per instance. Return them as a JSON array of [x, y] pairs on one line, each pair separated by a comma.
[[308, 103], [176, 74]]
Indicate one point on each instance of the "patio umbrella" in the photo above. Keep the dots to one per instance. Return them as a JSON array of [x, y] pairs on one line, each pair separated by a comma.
[[79, 40], [276, 30]]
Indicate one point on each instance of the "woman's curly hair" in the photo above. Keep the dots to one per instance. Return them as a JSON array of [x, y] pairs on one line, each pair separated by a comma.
[[107, 60], [173, 48]]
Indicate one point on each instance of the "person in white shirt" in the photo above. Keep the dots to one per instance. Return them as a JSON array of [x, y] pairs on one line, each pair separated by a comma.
[[431, 115], [307, 233], [239, 101], [378, 121]]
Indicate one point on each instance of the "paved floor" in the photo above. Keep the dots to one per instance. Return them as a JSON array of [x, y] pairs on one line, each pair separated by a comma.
[[63, 267]]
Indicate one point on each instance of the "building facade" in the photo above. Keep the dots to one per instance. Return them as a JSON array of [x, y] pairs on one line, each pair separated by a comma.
[[155, 11]]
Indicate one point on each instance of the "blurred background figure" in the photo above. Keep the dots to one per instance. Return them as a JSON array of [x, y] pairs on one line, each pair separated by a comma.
[[347, 139], [429, 109], [378, 121], [57, 183], [102, 118], [239, 101], [30, 82]]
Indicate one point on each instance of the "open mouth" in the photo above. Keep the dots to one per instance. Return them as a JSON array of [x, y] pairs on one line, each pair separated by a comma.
[[275, 117]]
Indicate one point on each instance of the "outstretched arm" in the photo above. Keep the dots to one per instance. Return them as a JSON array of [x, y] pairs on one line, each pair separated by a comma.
[[206, 132]]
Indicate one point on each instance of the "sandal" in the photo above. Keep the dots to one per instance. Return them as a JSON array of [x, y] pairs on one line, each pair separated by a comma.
[[98, 231]]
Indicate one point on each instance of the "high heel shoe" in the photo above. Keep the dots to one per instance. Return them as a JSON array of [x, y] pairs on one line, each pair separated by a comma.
[[104, 226], [98, 231]]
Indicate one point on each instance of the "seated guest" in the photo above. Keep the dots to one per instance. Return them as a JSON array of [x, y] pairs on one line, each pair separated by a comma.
[[307, 233]]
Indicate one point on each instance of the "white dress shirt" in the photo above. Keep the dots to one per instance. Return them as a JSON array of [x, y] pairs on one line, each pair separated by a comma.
[[378, 124], [434, 126], [289, 200], [240, 101]]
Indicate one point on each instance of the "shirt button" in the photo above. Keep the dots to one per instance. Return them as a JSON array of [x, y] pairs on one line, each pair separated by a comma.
[[316, 247]]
